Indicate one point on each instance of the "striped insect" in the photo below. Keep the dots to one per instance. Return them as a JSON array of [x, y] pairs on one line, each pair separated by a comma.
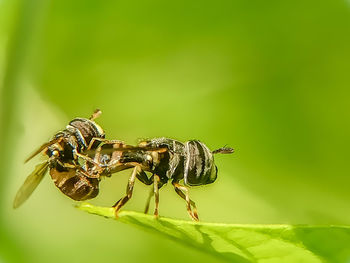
[[64, 152], [166, 160]]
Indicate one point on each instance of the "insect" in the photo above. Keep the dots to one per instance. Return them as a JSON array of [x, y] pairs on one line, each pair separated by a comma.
[[64, 152], [80, 155], [167, 160]]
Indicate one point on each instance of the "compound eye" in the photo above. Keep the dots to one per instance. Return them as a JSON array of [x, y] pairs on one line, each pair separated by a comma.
[[55, 153]]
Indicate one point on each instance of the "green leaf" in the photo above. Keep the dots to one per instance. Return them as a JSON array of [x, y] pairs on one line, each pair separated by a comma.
[[245, 243]]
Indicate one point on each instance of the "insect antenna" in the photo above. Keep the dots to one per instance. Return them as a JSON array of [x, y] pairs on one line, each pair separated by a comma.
[[95, 114], [224, 150]]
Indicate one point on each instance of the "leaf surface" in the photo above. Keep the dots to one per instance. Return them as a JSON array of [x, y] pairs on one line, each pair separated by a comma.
[[245, 243]]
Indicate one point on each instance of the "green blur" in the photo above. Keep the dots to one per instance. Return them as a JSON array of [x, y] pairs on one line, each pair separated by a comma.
[[268, 78]]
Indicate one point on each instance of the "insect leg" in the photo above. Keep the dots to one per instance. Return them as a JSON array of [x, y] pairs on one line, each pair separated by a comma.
[[93, 140], [79, 169], [104, 141], [142, 176], [90, 160], [88, 174], [129, 189], [156, 179], [149, 200], [66, 165], [182, 191], [86, 158]]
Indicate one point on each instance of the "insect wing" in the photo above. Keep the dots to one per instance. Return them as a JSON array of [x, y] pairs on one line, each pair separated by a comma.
[[41, 148], [128, 148], [30, 184]]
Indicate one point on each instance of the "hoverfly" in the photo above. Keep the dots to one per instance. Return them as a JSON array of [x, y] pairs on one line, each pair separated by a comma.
[[167, 160], [64, 152]]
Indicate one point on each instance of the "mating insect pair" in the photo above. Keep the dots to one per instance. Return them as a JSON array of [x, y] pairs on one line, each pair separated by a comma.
[[80, 155]]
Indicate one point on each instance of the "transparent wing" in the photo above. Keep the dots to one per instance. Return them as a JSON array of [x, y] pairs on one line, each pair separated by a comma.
[[30, 184], [41, 148], [126, 149]]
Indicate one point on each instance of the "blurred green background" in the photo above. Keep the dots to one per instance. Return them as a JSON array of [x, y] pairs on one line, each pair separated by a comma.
[[269, 78]]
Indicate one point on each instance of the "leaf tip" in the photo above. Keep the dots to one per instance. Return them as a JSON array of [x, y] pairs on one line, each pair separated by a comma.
[[101, 211]]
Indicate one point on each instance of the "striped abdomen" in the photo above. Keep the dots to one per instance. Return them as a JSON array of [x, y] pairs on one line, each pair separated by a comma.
[[199, 167], [75, 185], [84, 131]]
